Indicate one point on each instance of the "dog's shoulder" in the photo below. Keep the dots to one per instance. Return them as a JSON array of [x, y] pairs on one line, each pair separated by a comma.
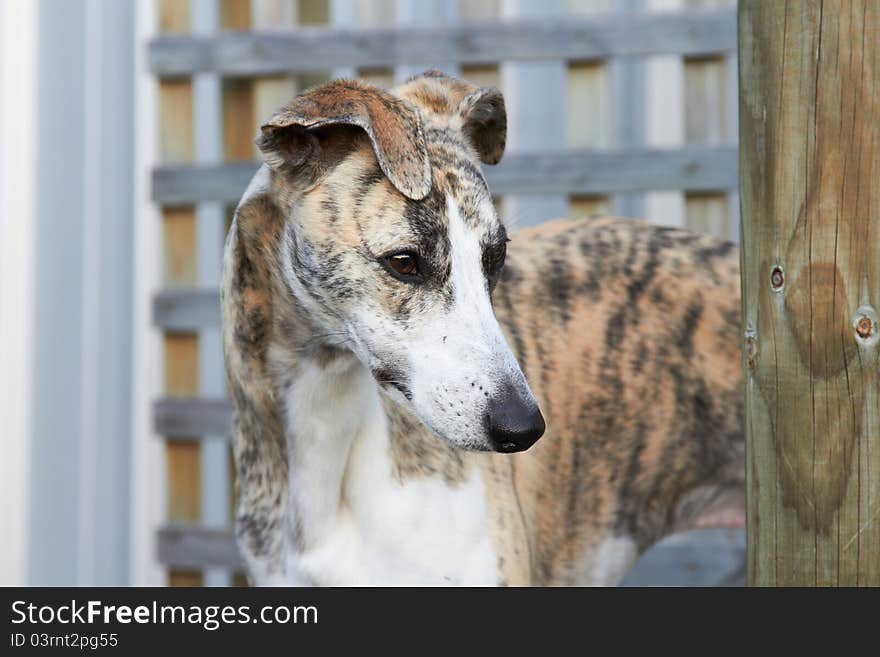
[[629, 336], [610, 261], [634, 289]]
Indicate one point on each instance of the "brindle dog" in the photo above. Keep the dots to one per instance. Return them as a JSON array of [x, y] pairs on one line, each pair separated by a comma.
[[387, 353]]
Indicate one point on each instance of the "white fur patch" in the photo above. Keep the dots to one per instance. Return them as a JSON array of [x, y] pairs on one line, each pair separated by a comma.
[[358, 524], [612, 560]]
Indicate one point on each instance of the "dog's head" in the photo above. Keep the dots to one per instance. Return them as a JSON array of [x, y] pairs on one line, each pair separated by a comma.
[[394, 246]]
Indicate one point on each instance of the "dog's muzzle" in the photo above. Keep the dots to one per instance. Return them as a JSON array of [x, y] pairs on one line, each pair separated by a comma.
[[513, 421]]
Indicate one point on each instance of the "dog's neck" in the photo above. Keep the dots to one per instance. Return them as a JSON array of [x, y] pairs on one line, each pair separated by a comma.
[[327, 405], [338, 424]]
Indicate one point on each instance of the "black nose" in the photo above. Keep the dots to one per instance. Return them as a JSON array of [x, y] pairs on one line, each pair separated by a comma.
[[513, 420]]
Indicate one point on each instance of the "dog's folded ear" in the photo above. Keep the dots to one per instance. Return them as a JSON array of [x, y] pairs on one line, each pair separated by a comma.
[[478, 111], [312, 132]]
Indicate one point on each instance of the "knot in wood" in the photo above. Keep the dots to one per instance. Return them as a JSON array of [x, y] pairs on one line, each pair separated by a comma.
[[864, 325], [777, 278], [751, 350]]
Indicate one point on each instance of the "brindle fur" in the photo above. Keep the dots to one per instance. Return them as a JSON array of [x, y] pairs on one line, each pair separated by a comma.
[[627, 333]]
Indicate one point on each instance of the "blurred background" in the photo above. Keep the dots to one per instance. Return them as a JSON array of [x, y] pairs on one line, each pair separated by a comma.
[[125, 141]]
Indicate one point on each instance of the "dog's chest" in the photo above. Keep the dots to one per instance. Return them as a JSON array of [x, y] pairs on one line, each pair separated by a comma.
[[375, 528], [421, 533]]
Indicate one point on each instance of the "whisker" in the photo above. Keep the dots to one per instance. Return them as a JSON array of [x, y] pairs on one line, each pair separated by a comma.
[[309, 344]]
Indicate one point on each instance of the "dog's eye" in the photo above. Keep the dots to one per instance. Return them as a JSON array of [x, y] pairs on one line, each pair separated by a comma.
[[404, 266]]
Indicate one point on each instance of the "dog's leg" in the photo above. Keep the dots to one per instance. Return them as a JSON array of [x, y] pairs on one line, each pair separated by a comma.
[[721, 505], [261, 487], [328, 405], [261, 542], [612, 559]]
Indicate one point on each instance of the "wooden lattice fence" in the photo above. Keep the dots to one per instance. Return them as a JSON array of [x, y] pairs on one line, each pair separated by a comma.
[[614, 107]]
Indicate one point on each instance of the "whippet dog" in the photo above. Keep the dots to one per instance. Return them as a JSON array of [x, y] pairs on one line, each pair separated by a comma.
[[387, 354]]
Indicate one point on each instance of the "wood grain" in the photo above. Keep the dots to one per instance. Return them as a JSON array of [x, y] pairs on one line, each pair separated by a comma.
[[179, 239], [173, 16], [809, 163], [175, 120], [705, 122], [181, 380], [239, 124], [584, 207], [235, 14]]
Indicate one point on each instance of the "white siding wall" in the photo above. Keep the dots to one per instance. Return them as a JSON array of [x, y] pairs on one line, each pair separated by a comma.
[[67, 187], [18, 61], [146, 467]]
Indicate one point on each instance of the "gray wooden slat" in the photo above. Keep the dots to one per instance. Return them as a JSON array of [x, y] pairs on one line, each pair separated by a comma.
[[628, 92], [188, 546], [691, 33], [188, 184], [186, 310], [709, 557], [344, 14], [574, 172], [214, 457], [192, 417]]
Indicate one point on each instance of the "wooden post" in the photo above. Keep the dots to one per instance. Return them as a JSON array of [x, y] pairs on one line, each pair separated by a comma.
[[809, 169]]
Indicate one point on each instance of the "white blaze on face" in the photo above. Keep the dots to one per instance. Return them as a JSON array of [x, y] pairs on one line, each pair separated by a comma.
[[460, 358]]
